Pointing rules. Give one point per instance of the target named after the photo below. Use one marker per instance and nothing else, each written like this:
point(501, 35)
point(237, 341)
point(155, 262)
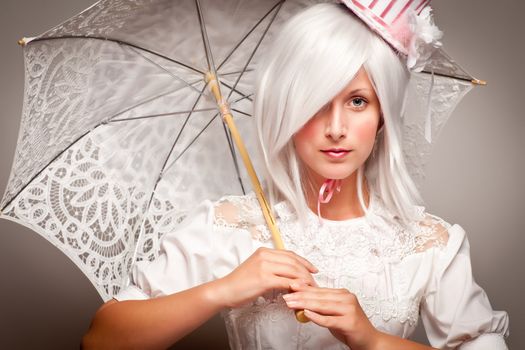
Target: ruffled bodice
point(398, 272)
point(368, 255)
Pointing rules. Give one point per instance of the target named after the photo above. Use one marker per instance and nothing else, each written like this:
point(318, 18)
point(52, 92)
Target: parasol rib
point(211, 67)
point(205, 39)
point(44, 168)
point(236, 72)
point(195, 139)
point(214, 84)
point(248, 34)
point(121, 42)
point(234, 155)
point(241, 112)
point(254, 50)
point(470, 80)
point(162, 170)
point(163, 115)
point(207, 49)
point(164, 69)
point(144, 102)
point(106, 121)
point(245, 96)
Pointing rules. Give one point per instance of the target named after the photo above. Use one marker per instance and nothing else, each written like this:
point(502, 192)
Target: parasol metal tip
point(24, 41)
point(479, 82)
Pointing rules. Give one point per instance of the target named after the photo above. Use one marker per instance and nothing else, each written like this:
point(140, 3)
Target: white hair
point(316, 54)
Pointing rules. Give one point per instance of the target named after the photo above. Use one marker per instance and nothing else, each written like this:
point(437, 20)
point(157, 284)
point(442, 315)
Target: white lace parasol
point(119, 136)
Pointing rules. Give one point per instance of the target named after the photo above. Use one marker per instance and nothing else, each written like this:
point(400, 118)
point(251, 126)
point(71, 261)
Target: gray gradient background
point(46, 302)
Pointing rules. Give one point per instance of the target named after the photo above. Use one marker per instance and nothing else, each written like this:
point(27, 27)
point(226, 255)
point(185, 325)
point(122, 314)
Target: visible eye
point(358, 103)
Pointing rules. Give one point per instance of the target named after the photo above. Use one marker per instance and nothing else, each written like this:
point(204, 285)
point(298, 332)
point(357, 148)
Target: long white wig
point(316, 54)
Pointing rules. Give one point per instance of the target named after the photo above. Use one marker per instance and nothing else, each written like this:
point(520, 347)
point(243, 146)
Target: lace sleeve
point(241, 213)
point(208, 244)
point(432, 232)
point(237, 224)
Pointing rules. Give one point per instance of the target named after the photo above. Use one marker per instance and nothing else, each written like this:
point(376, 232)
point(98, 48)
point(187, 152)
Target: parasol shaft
point(268, 216)
point(270, 220)
point(228, 119)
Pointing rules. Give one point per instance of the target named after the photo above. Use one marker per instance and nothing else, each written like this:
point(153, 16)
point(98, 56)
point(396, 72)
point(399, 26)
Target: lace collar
point(284, 211)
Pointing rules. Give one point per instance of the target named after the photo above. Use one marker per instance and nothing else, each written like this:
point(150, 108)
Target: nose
point(335, 124)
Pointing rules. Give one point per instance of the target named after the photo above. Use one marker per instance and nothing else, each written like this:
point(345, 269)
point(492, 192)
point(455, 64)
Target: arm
point(339, 311)
point(160, 322)
point(153, 323)
point(391, 342)
point(455, 310)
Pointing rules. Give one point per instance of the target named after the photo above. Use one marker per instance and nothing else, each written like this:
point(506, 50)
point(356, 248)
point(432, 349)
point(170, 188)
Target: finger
point(303, 274)
point(304, 287)
point(292, 272)
point(281, 257)
point(285, 282)
point(321, 320)
point(311, 267)
point(309, 291)
point(315, 288)
point(323, 307)
point(319, 294)
point(300, 259)
point(300, 284)
point(308, 297)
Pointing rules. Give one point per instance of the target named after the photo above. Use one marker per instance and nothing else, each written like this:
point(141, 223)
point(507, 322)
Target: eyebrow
point(355, 91)
point(358, 90)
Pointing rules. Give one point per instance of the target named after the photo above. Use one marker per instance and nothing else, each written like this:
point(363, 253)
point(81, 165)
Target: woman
point(364, 259)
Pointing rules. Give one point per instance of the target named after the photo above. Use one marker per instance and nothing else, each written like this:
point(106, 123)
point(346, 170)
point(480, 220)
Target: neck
point(345, 204)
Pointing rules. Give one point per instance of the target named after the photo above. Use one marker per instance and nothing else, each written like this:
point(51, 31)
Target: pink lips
point(336, 152)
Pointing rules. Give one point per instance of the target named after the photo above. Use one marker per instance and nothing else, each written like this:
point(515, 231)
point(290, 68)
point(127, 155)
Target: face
point(339, 138)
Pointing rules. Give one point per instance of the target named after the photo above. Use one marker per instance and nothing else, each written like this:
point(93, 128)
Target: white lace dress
point(398, 274)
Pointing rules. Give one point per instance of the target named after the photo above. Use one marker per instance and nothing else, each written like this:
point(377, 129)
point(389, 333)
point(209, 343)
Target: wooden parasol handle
point(268, 216)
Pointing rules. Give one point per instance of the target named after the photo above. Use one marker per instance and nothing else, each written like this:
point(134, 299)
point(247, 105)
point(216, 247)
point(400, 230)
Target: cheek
point(308, 131)
point(365, 132)
point(304, 137)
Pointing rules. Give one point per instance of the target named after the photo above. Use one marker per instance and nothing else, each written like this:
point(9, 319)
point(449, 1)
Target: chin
point(339, 174)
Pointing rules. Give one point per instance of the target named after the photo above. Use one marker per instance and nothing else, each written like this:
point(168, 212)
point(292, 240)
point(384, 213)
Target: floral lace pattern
point(363, 255)
point(445, 94)
point(88, 173)
point(270, 310)
point(101, 19)
point(79, 208)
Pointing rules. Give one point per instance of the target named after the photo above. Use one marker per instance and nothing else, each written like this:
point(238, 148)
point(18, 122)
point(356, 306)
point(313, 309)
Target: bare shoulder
point(108, 303)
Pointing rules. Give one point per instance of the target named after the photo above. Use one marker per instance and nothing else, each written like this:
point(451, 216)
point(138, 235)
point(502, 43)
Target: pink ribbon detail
point(328, 187)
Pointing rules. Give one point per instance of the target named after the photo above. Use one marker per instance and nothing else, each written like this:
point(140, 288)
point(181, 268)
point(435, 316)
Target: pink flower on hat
point(407, 25)
point(424, 41)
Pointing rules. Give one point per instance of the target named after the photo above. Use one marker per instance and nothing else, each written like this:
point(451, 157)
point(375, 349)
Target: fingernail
point(290, 296)
point(295, 285)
